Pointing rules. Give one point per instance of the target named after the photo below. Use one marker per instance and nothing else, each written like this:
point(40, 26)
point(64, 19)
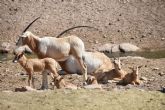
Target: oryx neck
point(33, 43)
point(23, 61)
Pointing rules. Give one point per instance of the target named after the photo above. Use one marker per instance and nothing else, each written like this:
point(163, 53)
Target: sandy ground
point(140, 22)
point(13, 76)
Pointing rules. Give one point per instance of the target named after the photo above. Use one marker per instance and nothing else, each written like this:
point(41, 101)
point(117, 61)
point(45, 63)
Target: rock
point(115, 48)
point(163, 39)
point(155, 68)
point(127, 47)
point(161, 73)
point(96, 42)
point(104, 36)
point(93, 86)
point(6, 47)
point(143, 78)
point(105, 48)
point(90, 41)
point(24, 89)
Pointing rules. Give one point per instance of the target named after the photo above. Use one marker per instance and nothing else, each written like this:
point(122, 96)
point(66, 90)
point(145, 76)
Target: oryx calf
point(57, 48)
point(117, 73)
point(132, 78)
point(35, 65)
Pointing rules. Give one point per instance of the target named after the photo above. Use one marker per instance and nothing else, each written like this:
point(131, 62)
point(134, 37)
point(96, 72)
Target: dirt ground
point(13, 76)
point(140, 22)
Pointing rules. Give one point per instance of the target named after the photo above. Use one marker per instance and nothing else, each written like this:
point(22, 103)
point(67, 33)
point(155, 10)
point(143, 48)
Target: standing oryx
point(57, 48)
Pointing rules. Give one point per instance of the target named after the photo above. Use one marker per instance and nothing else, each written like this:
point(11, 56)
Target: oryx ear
point(119, 60)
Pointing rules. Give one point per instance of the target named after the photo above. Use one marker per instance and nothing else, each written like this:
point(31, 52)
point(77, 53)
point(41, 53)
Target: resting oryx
point(132, 78)
point(57, 48)
point(97, 63)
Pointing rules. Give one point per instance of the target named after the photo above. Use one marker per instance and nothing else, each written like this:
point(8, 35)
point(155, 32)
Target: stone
point(6, 47)
point(143, 78)
point(96, 42)
point(115, 48)
point(127, 47)
point(163, 39)
point(24, 89)
point(105, 48)
point(93, 86)
point(161, 73)
point(155, 68)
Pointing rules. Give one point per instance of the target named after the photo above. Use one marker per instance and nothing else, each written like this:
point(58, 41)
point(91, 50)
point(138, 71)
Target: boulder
point(115, 48)
point(105, 48)
point(127, 47)
point(6, 47)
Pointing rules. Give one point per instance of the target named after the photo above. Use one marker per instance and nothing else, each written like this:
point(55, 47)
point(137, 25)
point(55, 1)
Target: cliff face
point(141, 22)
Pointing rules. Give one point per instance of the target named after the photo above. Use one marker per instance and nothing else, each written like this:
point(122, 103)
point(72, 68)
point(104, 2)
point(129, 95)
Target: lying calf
point(36, 65)
point(117, 73)
point(61, 83)
point(132, 78)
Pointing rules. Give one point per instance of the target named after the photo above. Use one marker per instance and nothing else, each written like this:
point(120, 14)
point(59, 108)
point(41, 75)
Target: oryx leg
point(78, 54)
point(30, 79)
point(33, 86)
point(44, 80)
point(84, 69)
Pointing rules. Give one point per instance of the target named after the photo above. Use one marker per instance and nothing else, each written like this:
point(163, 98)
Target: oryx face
point(117, 64)
point(22, 38)
point(17, 57)
point(19, 42)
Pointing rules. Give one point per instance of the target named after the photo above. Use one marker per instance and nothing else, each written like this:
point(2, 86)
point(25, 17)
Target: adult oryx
point(57, 48)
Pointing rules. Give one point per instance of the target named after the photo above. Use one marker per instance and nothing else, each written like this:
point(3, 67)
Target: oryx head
point(135, 70)
point(24, 34)
point(117, 63)
point(18, 52)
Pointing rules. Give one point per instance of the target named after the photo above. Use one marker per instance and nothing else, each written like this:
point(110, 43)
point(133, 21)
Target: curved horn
point(77, 27)
point(30, 24)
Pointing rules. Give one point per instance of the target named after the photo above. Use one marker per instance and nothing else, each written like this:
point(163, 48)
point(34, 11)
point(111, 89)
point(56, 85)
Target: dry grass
point(83, 99)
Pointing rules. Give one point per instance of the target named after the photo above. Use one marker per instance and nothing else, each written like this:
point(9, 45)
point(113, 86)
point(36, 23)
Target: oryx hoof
point(43, 88)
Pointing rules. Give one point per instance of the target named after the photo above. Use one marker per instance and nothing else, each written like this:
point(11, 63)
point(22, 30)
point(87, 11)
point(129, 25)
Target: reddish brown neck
point(22, 60)
point(33, 42)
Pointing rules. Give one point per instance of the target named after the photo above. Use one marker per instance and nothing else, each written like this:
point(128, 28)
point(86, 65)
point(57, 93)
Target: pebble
point(93, 86)
point(104, 36)
point(156, 68)
point(143, 78)
point(96, 42)
point(163, 39)
point(161, 73)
